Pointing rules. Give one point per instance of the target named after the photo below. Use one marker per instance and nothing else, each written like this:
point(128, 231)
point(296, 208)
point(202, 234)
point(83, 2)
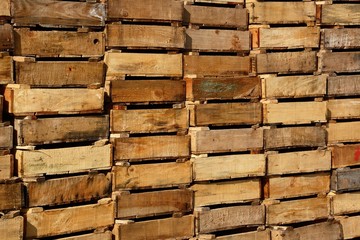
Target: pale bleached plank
point(6, 166)
point(6, 68)
point(6, 137)
point(343, 132)
point(345, 155)
point(341, 38)
point(346, 203)
point(340, 14)
point(344, 85)
point(12, 228)
point(107, 235)
point(350, 226)
point(344, 108)
point(5, 9)
point(258, 235)
point(339, 62)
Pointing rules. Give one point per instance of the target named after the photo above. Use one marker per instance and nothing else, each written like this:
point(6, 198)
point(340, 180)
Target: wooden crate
point(154, 91)
point(297, 186)
point(23, 101)
point(341, 38)
point(61, 129)
point(12, 228)
point(63, 160)
point(6, 68)
point(151, 147)
point(232, 2)
point(6, 37)
point(149, 120)
point(259, 234)
point(345, 179)
point(144, 36)
point(138, 205)
point(1, 107)
point(228, 167)
point(71, 219)
point(59, 73)
point(286, 62)
point(350, 226)
point(345, 203)
point(58, 43)
point(151, 175)
point(206, 194)
point(6, 137)
point(11, 196)
point(57, 13)
point(344, 108)
point(339, 62)
point(5, 7)
point(343, 132)
point(6, 166)
point(204, 140)
point(167, 228)
point(120, 65)
point(343, 85)
point(230, 218)
point(202, 89)
point(147, 10)
point(67, 190)
point(340, 14)
point(107, 235)
point(345, 155)
point(292, 137)
point(298, 162)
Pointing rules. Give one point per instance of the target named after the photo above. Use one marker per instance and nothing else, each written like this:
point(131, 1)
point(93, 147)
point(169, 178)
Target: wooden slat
point(228, 140)
point(340, 62)
point(6, 166)
point(147, 91)
point(298, 162)
point(58, 43)
point(225, 66)
point(228, 167)
point(6, 37)
point(5, 9)
point(260, 234)
point(11, 196)
point(148, 121)
point(200, 89)
point(343, 132)
point(226, 192)
point(62, 129)
point(6, 137)
point(343, 85)
point(294, 112)
point(298, 211)
point(1, 107)
point(168, 228)
point(144, 36)
point(341, 38)
point(345, 155)
point(24, 102)
point(345, 179)
point(53, 13)
point(295, 86)
point(63, 160)
point(230, 218)
point(151, 147)
point(344, 108)
point(286, 62)
point(224, 17)
point(155, 203)
point(6, 68)
point(68, 189)
point(12, 228)
point(291, 137)
point(59, 73)
point(151, 175)
point(240, 2)
point(350, 226)
point(142, 64)
point(153, 10)
point(41, 223)
point(289, 37)
point(299, 185)
point(346, 203)
point(107, 235)
point(340, 14)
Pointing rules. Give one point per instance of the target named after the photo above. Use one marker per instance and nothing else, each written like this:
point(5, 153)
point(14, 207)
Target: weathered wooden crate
point(344, 85)
point(345, 203)
point(6, 137)
point(202, 89)
point(346, 38)
point(151, 175)
point(6, 37)
point(344, 108)
point(204, 140)
point(350, 226)
point(259, 234)
point(12, 227)
point(167, 228)
point(6, 166)
point(343, 132)
point(6, 68)
point(345, 155)
point(58, 43)
point(61, 129)
point(207, 221)
point(345, 179)
point(70, 220)
point(1, 107)
point(5, 12)
point(340, 14)
point(339, 62)
point(232, 2)
point(11, 195)
point(58, 13)
point(97, 235)
point(138, 205)
point(151, 147)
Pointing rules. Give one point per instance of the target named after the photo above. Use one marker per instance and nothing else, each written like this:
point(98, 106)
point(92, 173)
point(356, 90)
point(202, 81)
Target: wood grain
point(343, 85)
point(350, 226)
point(6, 166)
point(260, 234)
point(340, 14)
point(346, 203)
point(11, 196)
point(345, 155)
point(345, 179)
point(6, 36)
point(5, 9)
point(1, 107)
point(343, 132)
point(341, 38)
point(6, 137)
point(339, 62)
point(6, 69)
point(107, 235)
point(344, 108)
point(12, 228)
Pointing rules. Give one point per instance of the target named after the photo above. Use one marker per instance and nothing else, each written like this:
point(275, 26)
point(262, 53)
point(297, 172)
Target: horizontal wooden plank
point(298, 162)
point(150, 91)
point(6, 166)
point(155, 203)
point(343, 132)
point(287, 62)
point(62, 129)
point(24, 102)
point(151, 147)
point(6, 69)
point(343, 85)
point(230, 218)
point(68, 190)
point(107, 235)
point(63, 160)
point(59, 73)
point(341, 38)
point(153, 10)
point(295, 211)
point(6, 37)
point(344, 108)
point(345, 179)
point(11, 196)
point(228, 167)
point(12, 228)
point(260, 234)
point(226, 114)
point(289, 37)
point(1, 107)
point(294, 86)
point(151, 175)
point(149, 120)
point(142, 64)
point(5, 9)
point(70, 220)
point(167, 228)
point(345, 155)
point(350, 226)
point(6, 137)
point(225, 66)
point(201, 89)
point(239, 2)
point(57, 13)
point(226, 192)
point(58, 43)
point(346, 203)
point(340, 14)
point(227, 140)
point(340, 62)
point(294, 112)
point(290, 137)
